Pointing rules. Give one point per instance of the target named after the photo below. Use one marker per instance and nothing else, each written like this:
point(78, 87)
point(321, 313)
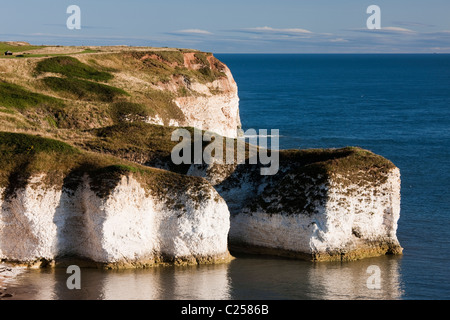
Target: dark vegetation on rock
point(23, 156)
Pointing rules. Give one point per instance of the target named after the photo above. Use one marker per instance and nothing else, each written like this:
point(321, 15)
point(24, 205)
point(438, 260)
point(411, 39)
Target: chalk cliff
point(214, 106)
point(339, 204)
point(54, 208)
point(103, 86)
point(91, 176)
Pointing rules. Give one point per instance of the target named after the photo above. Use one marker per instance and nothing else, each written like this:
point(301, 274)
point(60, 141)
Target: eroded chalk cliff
point(103, 86)
point(339, 204)
point(102, 188)
point(57, 204)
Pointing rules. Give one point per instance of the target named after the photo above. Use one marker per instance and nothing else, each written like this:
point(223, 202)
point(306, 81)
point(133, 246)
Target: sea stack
point(327, 204)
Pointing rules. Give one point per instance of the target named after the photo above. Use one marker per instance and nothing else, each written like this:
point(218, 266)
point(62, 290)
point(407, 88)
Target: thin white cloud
point(397, 29)
point(385, 30)
point(277, 30)
point(195, 31)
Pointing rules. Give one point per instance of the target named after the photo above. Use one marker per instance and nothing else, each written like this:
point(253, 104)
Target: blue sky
point(247, 26)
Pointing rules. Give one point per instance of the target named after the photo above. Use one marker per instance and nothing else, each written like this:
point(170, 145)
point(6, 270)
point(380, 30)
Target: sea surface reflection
point(246, 277)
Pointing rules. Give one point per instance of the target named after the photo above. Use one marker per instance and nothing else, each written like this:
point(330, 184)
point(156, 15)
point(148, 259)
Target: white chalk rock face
point(211, 106)
point(27, 226)
point(324, 204)
point(352, 222)
point(129, 227)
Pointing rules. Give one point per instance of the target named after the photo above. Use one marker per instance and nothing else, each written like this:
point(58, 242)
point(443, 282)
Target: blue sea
point(397, 106)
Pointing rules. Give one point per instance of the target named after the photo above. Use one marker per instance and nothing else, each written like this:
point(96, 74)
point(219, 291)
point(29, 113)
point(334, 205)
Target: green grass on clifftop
point(4, 46)
point(14, 96)
point(138, 142)
point(71, 67)
point(18, 143)
point(83, 89)
point(170, 56)
point(349, 164)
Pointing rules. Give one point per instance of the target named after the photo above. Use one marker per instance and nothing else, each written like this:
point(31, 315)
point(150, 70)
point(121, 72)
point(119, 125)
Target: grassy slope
point(71, 67)
point(95, 116)
point(23, 156)
point(14, 48)
point(13, 96)
point(84, 90)
point(71, 91)
point(24, 50)
point(146, 143)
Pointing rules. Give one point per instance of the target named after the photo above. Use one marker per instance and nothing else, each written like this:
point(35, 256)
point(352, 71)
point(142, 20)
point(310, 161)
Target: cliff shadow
point(79, 234)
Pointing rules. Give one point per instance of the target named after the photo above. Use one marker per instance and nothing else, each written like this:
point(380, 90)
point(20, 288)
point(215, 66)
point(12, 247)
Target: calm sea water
point(395, 105)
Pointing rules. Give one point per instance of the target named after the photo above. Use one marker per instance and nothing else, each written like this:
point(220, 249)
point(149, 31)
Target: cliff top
point(47, 88)
point(24, 156)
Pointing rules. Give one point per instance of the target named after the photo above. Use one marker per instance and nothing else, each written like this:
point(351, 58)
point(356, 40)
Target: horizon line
point(387, 53)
